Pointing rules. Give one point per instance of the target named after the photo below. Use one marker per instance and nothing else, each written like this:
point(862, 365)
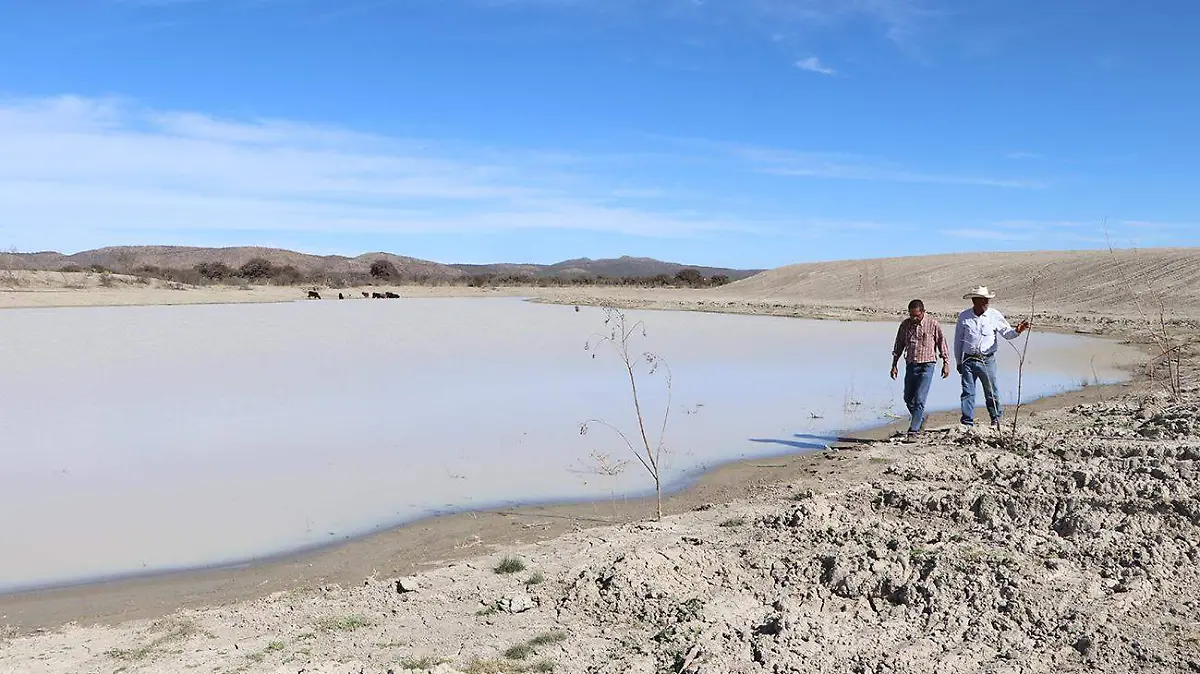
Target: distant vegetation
point(262, 271)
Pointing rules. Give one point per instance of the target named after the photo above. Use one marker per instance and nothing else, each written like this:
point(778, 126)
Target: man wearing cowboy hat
point(975, 343)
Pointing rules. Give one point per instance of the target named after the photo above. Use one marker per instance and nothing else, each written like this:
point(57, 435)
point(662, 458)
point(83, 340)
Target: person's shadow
point(808, 441)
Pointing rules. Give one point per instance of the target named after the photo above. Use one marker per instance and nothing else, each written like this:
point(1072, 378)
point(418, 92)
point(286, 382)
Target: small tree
point(1023, 350)
point(384, 270)
point(718, 280)
point(620, 335)
point(690, 277)
point(257, 269)
point(214, 271)
point(287, 275)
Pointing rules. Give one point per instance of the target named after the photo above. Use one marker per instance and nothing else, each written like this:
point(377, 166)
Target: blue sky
point(748, 133)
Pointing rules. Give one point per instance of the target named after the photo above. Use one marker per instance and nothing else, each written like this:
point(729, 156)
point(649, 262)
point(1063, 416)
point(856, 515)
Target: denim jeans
point(917, 378)
point(983, 371)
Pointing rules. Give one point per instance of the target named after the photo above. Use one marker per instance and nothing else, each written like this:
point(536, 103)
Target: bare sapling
point(620, 337)
point(1023, 350)
point(1169, 350)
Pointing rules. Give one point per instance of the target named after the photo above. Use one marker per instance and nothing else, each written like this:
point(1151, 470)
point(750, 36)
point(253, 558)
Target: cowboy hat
point(981, 291)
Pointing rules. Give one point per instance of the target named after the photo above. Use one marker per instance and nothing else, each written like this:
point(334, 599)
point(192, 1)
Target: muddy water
point(140, 439)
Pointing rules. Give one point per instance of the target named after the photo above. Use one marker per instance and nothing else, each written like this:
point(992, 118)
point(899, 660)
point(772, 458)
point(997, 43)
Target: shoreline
point(441, 540)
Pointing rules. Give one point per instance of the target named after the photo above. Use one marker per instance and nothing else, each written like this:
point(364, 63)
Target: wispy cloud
point(987, 234)
point(1057, 233)
point(71, 162)
point(813, 65)
point(843, 166)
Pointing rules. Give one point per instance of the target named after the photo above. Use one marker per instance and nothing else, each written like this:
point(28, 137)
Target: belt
point(976, 356)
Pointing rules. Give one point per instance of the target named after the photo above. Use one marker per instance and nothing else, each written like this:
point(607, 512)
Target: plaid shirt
point(923, 341)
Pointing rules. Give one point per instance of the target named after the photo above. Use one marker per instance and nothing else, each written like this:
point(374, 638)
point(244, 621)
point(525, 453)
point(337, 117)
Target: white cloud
point(71, 163)
point(986, 234)
point(841, 166)
point(813, 65)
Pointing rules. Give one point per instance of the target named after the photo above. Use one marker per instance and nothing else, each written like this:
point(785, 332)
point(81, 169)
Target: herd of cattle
point(314, 295)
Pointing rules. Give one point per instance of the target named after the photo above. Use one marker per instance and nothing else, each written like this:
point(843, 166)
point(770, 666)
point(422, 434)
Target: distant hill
point(622, 267)
point(1071, 281)
point(130, 258)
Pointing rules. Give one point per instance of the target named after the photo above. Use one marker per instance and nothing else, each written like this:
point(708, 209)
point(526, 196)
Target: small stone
point(517, 603)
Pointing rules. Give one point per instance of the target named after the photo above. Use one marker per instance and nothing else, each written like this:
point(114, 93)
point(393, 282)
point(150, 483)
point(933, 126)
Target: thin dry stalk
point(1022, 352)
point(1169, 351)
point(620, 336)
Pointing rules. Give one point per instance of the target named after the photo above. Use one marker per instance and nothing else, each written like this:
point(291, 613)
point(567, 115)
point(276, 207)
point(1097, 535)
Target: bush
point(287, 275)
point(70, 268)
point(257, 269)
point(690, 277)
point(214, 271)
point(384, 269)
point(718, 280)
point(510, 565)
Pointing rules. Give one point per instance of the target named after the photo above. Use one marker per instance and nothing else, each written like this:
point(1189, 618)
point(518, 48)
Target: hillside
point(622, 267)
point(1071, 281)
point(130, 258)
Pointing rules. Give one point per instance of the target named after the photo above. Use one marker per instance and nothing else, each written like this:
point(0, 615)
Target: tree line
point(263, 271)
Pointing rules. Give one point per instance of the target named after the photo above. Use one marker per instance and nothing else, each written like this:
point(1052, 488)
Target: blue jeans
point(983, 371)
point(917, 378)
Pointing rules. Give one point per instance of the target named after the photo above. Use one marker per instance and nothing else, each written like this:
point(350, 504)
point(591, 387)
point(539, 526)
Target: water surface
point(152, 438)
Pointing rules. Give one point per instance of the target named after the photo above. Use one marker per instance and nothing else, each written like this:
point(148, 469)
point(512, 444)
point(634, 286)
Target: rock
point(517, 603)
point(406, 585)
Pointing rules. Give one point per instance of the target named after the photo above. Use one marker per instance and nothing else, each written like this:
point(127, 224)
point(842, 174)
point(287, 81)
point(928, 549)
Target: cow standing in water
point(314, 295)
point(340, 297)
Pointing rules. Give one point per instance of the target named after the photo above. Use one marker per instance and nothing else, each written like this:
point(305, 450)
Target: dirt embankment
point(1072, 546)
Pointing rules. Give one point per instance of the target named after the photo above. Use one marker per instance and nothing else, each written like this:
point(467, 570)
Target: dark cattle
point(392, 296)
point(577, 309)
point(366, 294)
point(314, 295)
point(377, 296)
point(340, 296)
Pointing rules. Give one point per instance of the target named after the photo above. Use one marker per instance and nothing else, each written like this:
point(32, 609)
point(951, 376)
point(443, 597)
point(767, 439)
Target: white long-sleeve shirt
point(977, 334)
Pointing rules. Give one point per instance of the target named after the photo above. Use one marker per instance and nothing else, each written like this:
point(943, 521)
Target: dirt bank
point(1072, 546)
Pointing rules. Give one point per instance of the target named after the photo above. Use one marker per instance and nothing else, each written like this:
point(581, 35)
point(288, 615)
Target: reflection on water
point(148, 438)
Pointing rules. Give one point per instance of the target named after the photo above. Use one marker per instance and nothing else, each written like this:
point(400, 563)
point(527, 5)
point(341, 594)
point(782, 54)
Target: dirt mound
point(1073, 545)
point(1073, 281)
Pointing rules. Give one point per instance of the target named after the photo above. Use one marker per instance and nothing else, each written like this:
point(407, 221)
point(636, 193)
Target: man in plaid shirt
point(921, 338)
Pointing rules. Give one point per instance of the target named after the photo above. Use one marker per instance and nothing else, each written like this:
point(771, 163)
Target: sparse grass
point(256, 657)
point(347, 623)
point(488, 610)
point(423, 662)
point(543, 666)
point(734, 522)
point(536, 579)
point(518, 652)
point(510, 565)
point(802, 495)
point(493, 667)
point(880, 459)
point(555, 637)
point(275, 646)
point(176, 631)
point(306, 636)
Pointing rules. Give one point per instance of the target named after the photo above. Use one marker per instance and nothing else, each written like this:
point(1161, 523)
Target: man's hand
point(1024, 325)
point(945, 369)
point(959, 368)
point(895, 372)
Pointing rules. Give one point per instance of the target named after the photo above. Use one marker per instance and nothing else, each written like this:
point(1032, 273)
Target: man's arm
point(898, 349)
point(1003, 328)
point(960, 337)
point(939, 342)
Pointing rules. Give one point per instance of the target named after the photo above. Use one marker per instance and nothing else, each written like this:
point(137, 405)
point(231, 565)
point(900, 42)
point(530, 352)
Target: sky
point(740, 133)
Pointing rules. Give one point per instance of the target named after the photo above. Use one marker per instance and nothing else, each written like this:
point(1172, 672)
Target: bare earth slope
point(1072, 281)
